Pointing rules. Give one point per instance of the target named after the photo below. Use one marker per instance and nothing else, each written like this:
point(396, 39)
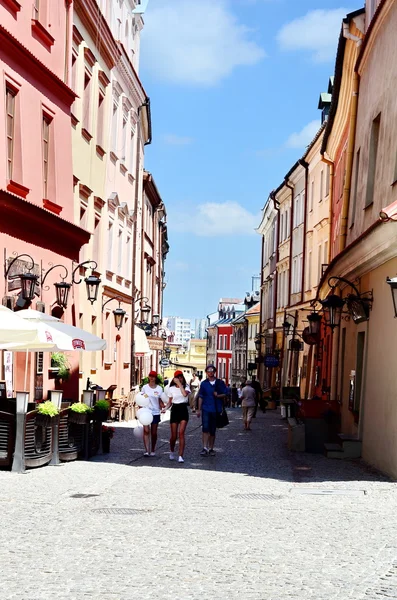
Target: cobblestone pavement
point(253, 522)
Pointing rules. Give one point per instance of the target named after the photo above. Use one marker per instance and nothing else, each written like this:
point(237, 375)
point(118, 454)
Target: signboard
point(147, 327)
point(7, 360)
point(271, 361)
point(164, 362)
point(295, 345)
point(155, 343)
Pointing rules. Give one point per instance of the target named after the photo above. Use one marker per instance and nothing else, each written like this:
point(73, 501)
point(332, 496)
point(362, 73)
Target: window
point(327, 177)
point(325, 261)
point(373, 154)
point(309, 271)
point(46, 152)
point(110, 246)
point(355, 188)
point(97, 239)
point(100, 118)
point(124, 137)
point(312, 196)
point(321, 185)
point(10, 108)
point(319, 262)
point(129, 257)
point(131, 161)
point(87, 101)
point(114, 126)
point(120, 252)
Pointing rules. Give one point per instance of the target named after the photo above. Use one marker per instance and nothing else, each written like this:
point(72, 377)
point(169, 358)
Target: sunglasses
point(210, 371)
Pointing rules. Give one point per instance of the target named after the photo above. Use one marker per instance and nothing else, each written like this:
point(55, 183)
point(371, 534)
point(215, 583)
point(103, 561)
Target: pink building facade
point(36, 176)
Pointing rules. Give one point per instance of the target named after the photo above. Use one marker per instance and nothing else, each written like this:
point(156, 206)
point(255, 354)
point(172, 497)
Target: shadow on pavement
point(261, 452)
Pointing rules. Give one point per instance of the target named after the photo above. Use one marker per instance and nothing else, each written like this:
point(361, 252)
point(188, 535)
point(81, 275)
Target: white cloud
point(316, 32)
point(179, 266)
point(218, 219)
point(177, 140)
point(302, 138)
point(197, 42)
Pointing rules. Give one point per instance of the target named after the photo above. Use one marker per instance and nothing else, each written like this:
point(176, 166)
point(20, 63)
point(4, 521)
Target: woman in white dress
point(153, 390)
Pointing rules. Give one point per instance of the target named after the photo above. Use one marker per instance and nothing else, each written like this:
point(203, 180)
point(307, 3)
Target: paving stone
point(242, 524)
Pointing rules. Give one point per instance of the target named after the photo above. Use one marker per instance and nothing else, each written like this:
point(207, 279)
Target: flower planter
point(45, 420)
point(106, 444)
point(101, 415)
point(79, 418)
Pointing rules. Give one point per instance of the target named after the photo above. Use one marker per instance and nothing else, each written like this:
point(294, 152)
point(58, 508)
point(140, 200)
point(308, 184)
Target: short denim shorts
point(208, 421)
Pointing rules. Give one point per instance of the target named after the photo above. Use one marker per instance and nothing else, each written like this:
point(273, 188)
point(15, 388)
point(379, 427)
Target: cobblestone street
point(253, 522)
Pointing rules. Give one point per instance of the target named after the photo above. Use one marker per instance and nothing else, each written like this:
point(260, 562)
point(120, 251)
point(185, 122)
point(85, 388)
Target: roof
point(239, 320)
point(254, 310)
point(337, 79)
point(325, 98)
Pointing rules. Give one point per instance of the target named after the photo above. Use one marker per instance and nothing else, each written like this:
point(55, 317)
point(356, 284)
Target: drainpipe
point(68, 44)
point(291, 187)
point(305, 165)
point(275, 291)
point(350, 144)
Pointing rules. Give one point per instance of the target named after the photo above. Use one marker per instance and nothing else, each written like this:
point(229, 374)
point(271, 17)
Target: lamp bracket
point(51, 269)
point(86, 262)
point(7, 270)
point(110, 300)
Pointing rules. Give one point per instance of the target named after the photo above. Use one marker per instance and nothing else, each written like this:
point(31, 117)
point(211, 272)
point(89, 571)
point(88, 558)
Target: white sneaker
point(172, 456)
point(146, 454)
point(152, 454)
point(180, 459)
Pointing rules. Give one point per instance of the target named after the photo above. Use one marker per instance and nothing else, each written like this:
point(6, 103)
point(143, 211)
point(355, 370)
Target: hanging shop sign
point(271, 361)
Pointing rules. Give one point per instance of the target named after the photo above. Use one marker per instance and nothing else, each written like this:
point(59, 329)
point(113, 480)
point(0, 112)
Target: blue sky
point(234, 87)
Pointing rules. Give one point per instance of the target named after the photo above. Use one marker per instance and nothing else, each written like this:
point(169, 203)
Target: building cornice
point(10, 45)
point(378, 19)
point(96, 25)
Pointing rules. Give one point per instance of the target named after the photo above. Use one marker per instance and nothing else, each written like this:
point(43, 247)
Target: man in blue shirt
point(211, 397)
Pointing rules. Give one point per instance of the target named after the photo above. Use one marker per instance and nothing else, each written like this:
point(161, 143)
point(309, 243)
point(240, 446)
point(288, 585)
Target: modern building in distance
point(180, 328)
point(200, 329)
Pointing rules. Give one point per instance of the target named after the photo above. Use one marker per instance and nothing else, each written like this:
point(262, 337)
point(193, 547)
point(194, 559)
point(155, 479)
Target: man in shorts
point(211, 397)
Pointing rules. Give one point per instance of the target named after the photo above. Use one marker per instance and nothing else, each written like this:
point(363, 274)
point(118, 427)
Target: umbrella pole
point(26, 371)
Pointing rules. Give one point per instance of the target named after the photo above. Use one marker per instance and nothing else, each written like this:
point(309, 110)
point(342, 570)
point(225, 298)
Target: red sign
point(78, 344)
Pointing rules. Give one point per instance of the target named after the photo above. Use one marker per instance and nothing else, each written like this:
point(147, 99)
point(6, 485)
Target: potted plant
point(159, 381)
point(101, 410)
point(60, 366)
point(107, 434)
point(47, 413)
point(79, 413)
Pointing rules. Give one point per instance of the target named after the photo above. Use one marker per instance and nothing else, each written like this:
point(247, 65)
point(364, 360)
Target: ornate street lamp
point(314, 323)
point(118, 313)
point(156, 320)
point(145, 311)
point(92, 282)
point(29, 281)
point(286, 327)
point(393, 289)
point(333, 306)
point(167, 352)
point(358, 304)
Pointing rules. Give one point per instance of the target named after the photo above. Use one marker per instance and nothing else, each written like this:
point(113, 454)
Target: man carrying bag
point(211, 397)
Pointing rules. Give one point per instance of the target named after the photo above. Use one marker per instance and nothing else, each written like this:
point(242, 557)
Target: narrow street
point(255, 521)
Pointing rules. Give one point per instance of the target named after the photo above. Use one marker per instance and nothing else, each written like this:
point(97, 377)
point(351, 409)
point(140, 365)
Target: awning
point(141, 343)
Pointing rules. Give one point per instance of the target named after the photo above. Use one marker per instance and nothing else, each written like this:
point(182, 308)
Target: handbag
point(222, 420)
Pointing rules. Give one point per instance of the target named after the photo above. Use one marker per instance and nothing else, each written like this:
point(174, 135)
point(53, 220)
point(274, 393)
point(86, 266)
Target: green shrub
point(159, 381)
point(79, 407)
point(102, 405)
point(60, 361)
point(47, 408)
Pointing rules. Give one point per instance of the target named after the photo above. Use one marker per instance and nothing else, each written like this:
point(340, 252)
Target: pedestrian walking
point(248, 398)
point(178, 397)
point(258, 394)
point(211, 397)
point(234, 396)
point(153, 391)
point(194, 388)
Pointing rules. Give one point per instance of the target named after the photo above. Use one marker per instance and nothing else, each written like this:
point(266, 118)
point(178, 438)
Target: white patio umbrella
point(54, 335)
point(15, 330)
